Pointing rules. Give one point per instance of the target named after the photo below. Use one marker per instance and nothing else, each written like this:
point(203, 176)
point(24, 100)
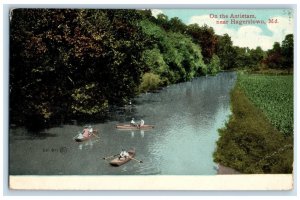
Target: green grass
point(273, 95)
point(250, 143)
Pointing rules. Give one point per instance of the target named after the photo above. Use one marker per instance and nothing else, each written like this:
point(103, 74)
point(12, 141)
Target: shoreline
point(222, 170)
point(249, 142)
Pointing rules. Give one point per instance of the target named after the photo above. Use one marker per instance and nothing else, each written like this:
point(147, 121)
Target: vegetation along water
point(259, 135)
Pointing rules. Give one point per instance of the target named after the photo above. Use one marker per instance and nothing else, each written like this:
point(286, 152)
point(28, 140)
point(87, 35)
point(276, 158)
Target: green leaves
point(249, 143)
point(206, 38)
point(173, 56)
point(288, 50)
point(85, 101)
point(214, 65)
point(66, 62)
point(225, 52)
point(281, 56)
point(274, 95)
point(149, 82)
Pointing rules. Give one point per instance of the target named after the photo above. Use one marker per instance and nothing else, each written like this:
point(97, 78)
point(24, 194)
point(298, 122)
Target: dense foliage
point(281, 56)
point(172, 56)
point(249, 143)
point(274, 96)
point(214, 65)
point(150, 82)
point(73, 62)
point(77, 62)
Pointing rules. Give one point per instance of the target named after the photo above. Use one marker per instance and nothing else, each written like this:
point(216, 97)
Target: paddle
point(136, 160)
point(96, 135)
point(76, 135)
point(109, 156)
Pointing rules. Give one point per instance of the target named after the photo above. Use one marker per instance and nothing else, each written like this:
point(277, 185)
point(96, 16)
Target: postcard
point(151, 99)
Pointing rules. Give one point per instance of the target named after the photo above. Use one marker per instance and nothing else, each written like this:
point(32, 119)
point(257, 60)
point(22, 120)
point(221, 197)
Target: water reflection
point(142, 133)
point(87, 144)
point(135, 133)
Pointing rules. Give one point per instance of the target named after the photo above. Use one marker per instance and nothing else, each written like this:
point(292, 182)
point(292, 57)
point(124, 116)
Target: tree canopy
point(79, 62)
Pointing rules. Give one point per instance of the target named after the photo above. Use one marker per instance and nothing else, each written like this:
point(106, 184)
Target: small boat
point(130, 127)
point(117, 161)
point(86, 138)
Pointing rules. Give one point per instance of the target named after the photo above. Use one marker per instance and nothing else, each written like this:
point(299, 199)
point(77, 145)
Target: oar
point(136, 160)
point(96, 135)
point(109, 156)
point(76, 135)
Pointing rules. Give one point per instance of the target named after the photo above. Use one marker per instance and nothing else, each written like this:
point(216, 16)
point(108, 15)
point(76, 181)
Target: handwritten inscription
point(55, 150)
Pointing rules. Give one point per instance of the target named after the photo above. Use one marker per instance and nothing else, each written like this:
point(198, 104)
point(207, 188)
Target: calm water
point(186, 118)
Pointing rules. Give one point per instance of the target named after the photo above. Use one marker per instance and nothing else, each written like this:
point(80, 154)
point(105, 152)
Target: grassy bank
point(269, 71)
point(250, 143)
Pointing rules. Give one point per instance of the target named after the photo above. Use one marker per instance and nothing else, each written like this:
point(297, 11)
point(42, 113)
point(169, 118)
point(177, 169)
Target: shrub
point(149, 82)
point(214, 65)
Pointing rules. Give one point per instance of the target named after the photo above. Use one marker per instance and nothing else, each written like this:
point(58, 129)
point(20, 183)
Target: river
point(186, 116)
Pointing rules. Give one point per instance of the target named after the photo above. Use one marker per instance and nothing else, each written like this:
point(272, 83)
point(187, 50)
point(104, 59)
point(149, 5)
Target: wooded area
point(72, 63)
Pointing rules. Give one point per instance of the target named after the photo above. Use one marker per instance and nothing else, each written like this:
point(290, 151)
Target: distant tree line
point(232, 57)
point(78, 62)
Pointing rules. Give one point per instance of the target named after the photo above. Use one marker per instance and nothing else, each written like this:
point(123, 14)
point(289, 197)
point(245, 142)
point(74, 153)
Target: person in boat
point(123, 155)
point(132, 123)
point(142, 122)
point(86, 132)
point(90, 129)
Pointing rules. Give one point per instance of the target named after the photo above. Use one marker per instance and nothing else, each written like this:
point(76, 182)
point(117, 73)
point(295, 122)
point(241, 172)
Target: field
point(274, 96)
point(258, 137)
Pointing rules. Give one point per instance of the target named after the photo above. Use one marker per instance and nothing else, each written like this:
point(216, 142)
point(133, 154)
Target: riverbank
point(222, 170)
point(250, 143)
point(274, 71)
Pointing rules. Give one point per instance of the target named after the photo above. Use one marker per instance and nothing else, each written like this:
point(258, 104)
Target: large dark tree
point(288, 50)
point(225, 52)
point(274, 59)
point(256, 57)
point(177, 25)
point(206, 38)
point(68, 62)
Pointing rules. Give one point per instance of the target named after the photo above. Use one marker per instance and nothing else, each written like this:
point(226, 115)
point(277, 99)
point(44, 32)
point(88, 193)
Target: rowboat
point(120, 161)
point(130, 127)
point(77, 139)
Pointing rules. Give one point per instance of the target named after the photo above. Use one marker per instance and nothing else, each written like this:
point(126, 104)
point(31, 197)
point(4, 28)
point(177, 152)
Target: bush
point(149, 82)
point(214, 65)
point(173, 56)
